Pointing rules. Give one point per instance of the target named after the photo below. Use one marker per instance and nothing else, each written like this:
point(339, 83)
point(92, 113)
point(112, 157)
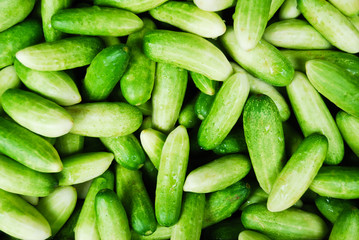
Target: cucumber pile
point(181, 120)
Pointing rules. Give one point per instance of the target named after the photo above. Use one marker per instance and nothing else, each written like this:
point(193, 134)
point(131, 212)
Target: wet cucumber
point(331, 208)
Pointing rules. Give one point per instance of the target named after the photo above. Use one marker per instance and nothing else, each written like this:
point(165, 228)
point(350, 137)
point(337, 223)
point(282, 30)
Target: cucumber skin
point(234, 143)
point(346, 226)
point(349, 128)
point(136, 6)
point(203, 105)
point(331, 208)
point(204, 84)
point(11, 13)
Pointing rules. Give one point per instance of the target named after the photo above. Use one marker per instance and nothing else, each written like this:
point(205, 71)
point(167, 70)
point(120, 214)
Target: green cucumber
point(67, 231)
point(348, 7)
point(225, 230)
point(96, 21)
point(69, 144)
point(127, 149)
point(304, 164)
point(63, 54)
point(138, 80)
point(17, 37)
point(218, 174)
point(275, 5)
point(21, 220)
point(14, 11)
point(204, 84)
point(146, 108)
point(105, 119)
point(331, 208)
point(110, 41)
point(292, 138)
point(36, 113)
point(335, 84)
point(186, 50)
point(337, 182)
point(161, 233)
point(83, 167)
point(262, 125)
point(314, 117)
point(250, 20)
point(136, 6)
point(8, 80)
point(188, 117)
point(57, 86)
point(233, 143)
point(82, 189)
point(346, 226)
point(214, 5)
point(252, 235)
point(203, 105)
point(289, 224)
point(31, 199)
point(168, 95)
point(331, 23)
point(28, 148)
point(349, 128)
point(171, 176)
point(189, 18)
point(134, 197)
point(289, 10)
point(58, 207)
point(225, 111)
point(264, 61)
point(111, 219)
point(17, 178)
point(189, 225)
point(152, 142)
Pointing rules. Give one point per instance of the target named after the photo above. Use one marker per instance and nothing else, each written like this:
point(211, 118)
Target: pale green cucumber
point(168, 95)
point(31, 199)
point(217, 175)
point(224, 112)
point(347, 225)
point(83, 167)
point(189, 225)
point(331, 23)
point(69, 144)
point(189, 18)
point(331, 208)
point(152, 142)
point(63, 54)
point(252, 235)
point(136, 6)
point(314, 117)
point(8, 79)
point(304, 164)
point(262, 125)
point(289, 10)
point(36, 113)
point(14, 11)
point(234, 143)
point(21, 220)
point(264, 61)
point(227, 229)
point(348, 7)
point(250, 20)
point(171, 176)
point(349, 128)
point(275, 5)
point(188, 117)
point(335, 84)
point(57, 86)
point(214, 5)
point(203, 105)
point(105, 119)
point(187, 51)
point(58, 207)
point(28, 148)
point(204, 84)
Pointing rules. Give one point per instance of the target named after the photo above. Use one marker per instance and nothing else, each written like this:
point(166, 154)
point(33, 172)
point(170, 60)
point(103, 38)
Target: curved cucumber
point(204, 84)
point(136, 6)
point(152, 142)
point(186, 50)
point(349, 7)
point(214, 5)
point(346, 226)
point(203, 105)
point(8, 79)
point(14, 11)
point(69, 144)
point(289, 10)
point(331, 208)
point(349, 128)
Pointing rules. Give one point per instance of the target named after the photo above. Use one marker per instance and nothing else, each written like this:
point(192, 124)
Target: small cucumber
point(188, 117)
point(152, 142)
point(275, 5)
point(67, 231)
point(331, 208)
point(289, 10)
point(161, 233)
point(8, 80)
point(147, 123)
point(233, 143)
point(348, 7)
point(251, 235)
point(214, 5)
point(225, 230)
point(204, 84)
point(292, 138)
point(349, 128)
point(186, 50)
point(69, 144)
point(14, 11)
point(110, 41)
point(146, 108)
point(346, 226)
point(136, 6)
point(203, 105)
point(31, 199)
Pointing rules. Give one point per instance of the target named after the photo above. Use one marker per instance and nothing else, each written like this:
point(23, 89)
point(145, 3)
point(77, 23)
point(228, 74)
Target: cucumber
point(203, 105)
point(127, 150)
point(17, 178)
point(264, 61)
point(275, 5)
point(168, 94)
point(58, 207)
point(14, 11)
point(335, 84)
point(96, 21)
point(295, 34)
point(250, 20)
point(214, 5)
point(225, 230)
point(337, 182)
point(152, 142)
point(138, 80)
point(204, 84)
point(56, 86)
point(8, 80)
point(28, 148)
point(17, 37)
point(82, 189)
point(21, 220)
point(161, 233)
point(292, 139)
point(289, 224)
point(36, 113)
point(147, 123)
point(146, 108)
point(105, 119)
point(349, 7)
point(136, 6)
point(110, 41)
point(304, 165)
point(63, 54)
point(251, 235)
point(189, 225)
point(314, 117)
point(111, 216)
point(67, 231)
point(331, 208)
point(134, 197)
point(30, 199)
point(289, 10)
point(225, 111)
point(349, 128)
point(189, 18)
point(331, 23)
point(171, 176)
point(262, 125)
point(346, 226)
point(186, 50)
point(233, 143)
point(218, 174)
point(83, 167)
point(188, 117)
point(355, 21)
point(69, 144)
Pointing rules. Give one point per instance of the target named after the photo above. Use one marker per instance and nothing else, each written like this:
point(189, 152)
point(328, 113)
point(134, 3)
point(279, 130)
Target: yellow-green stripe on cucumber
point(252, 235)
point(331, 208)
point(214, 5)
point(28, 148)
point(346, 226)
point(314, 117)
point(289, 10)
point(187, 51)
point(8, 79)
point(152, 142)
point(171, 176)
point(262, 125)
point(136, 6)
point(69, 144)
point(349, 128)
point(264, 61)
point(225, 111)
point(188, 17)
point(14, 11)
point(204, 84)
point(304, 165)
point(348, 7)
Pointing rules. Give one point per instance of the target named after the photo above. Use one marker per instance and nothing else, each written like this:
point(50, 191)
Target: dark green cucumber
point(228, 229)
point(346, 226)
point(331, 208)
point(204, 84)
point(188, 116)
point(292, 138)
point(234, 143)
point(14, 11)
point(203, 105)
